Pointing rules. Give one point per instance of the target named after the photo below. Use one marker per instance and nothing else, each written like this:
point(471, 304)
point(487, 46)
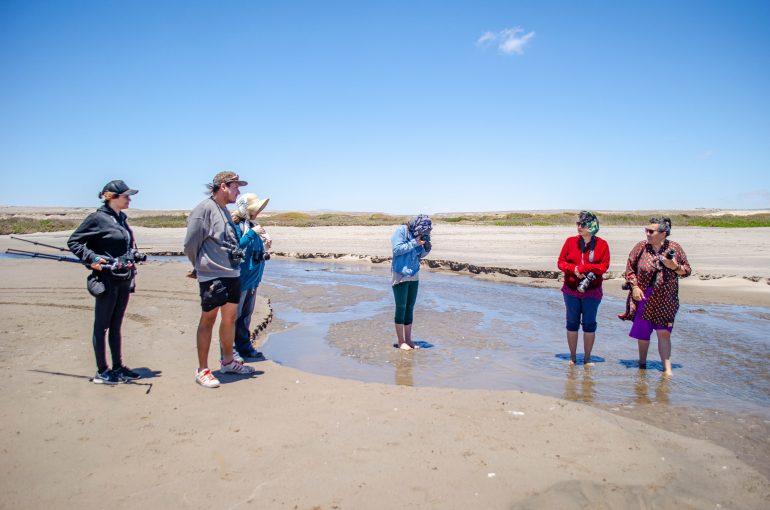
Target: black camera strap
point(583, 247)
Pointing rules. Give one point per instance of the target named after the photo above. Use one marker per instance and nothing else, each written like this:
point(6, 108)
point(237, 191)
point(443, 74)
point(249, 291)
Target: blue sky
point(399, 107)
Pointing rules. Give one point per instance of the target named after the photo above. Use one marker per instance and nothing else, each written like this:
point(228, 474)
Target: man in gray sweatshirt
point(212, 245)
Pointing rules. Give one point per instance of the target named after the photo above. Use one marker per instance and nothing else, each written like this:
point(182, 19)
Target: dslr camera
point(670, 254)
point(138, 256)
point(235, 254)
point(260, 256)
point(585, 282)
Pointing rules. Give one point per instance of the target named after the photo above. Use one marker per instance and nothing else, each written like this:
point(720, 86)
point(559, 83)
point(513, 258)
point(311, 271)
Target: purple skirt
point(642, 329)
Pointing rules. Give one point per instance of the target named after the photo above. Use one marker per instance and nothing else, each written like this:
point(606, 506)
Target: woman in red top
point(652, 272)
point(584, 259)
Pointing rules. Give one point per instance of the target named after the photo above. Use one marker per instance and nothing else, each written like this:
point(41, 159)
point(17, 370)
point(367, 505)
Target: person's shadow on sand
point(147, 373)
point(144, 372)
point(230, 378)
point(651, 365)
point(580, 358)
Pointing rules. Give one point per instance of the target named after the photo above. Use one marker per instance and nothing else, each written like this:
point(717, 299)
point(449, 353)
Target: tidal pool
point(510, 337)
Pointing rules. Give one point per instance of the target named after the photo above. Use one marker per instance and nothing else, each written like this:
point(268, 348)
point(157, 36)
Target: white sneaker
point(206, 379)
point(236, 356)
point(235, 367)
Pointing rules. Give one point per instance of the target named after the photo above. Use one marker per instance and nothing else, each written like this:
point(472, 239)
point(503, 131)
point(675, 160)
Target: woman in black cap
point(105, 243)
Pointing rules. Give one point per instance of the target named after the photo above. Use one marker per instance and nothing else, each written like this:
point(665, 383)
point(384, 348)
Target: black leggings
point(406, 295)
point(108, 315)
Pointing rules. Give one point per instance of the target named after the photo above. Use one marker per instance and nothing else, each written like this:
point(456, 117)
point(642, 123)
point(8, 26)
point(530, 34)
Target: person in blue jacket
point(410, 242)
point(252, 236)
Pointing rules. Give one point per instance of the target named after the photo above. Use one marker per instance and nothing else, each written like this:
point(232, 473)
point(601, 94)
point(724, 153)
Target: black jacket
point(102, 233)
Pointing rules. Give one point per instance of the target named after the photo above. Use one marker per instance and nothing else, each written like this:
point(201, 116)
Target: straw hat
point(249, 203)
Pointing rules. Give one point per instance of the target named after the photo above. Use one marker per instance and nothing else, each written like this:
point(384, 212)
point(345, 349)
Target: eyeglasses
point(580, 224)
point(650, 231)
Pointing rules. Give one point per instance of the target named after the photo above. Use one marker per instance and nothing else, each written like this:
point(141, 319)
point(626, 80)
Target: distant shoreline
point(81, 212)
point(515, 254)
point(27, 220)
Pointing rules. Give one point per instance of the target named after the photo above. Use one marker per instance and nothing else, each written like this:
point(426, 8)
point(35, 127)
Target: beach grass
point(160, 221)
point(23, 225)
point(27, 225)
point(298, 219)
point(608, 219)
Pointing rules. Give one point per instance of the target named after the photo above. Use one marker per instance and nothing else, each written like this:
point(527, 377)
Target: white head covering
point(249, 203)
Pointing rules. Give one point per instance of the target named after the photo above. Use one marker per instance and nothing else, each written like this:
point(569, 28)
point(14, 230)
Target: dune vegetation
point(27, 225)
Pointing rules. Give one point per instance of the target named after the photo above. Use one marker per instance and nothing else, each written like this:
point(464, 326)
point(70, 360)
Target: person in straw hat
point(255, 242)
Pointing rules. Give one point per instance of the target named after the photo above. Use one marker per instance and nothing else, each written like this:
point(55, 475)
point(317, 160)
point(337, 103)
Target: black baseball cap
point(119, 187)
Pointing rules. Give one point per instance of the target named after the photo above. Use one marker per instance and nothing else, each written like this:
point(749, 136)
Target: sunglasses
point(581, 224)
point(650, 231)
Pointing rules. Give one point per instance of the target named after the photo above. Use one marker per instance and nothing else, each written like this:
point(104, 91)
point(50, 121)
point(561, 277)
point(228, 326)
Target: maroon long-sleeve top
point(572, 257)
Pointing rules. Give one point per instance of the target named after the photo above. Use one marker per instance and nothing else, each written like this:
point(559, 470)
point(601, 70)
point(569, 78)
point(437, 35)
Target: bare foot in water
point(589, 363)
point(572, 362)
point(405, 347)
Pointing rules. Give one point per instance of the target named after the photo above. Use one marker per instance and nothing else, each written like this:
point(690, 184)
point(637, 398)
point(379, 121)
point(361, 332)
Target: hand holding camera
point(424, 241)
point(585, 282)
point(667, 259)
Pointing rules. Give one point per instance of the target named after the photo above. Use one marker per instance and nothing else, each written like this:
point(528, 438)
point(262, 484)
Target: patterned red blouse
point(645, 269)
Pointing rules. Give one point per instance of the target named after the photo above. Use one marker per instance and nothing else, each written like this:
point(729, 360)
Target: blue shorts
point(581, 308)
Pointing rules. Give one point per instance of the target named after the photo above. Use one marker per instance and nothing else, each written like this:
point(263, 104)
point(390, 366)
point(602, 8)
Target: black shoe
point(125, 374)
point(106, 377)
point(252, 354)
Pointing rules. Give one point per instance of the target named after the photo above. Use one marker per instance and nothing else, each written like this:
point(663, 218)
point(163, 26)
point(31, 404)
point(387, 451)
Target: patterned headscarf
point(420, 225)
point(589, 221)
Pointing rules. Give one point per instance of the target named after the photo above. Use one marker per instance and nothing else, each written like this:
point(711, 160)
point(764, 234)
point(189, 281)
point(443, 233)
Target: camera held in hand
point(138, 256)
point(670, 254)
point(585, 282)
point(425, 237)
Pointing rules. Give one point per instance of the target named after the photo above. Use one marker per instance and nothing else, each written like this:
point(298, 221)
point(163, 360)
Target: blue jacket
point(252, 266)
point(406, 252)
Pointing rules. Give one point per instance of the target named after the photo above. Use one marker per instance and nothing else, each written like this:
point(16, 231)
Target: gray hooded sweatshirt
point(210, 231)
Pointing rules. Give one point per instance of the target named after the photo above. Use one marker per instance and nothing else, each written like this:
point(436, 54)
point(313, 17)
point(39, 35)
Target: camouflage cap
point(227, 177)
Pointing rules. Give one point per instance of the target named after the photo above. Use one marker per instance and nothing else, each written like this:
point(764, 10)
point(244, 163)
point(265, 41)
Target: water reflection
point(579, 384)
point(404, 366)
point(662, 387)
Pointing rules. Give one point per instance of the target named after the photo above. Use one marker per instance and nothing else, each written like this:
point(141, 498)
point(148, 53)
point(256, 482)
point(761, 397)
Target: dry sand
point(288, 439)
point(731, 266)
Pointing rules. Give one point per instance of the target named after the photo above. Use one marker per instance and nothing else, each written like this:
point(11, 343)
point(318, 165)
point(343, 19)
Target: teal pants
point(406, 295)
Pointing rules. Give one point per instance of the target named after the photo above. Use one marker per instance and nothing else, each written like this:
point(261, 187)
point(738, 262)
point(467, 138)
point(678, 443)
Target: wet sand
point(290, 439)
point(479, 349)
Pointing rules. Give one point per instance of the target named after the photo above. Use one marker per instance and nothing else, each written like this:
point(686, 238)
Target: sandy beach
point(730, 266)
point(289, 439)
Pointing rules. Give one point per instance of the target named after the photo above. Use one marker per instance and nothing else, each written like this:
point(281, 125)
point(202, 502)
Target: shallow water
point(504, 336)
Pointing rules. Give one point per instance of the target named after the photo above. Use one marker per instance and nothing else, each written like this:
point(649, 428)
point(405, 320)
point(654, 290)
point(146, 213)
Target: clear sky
point(398, 107)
